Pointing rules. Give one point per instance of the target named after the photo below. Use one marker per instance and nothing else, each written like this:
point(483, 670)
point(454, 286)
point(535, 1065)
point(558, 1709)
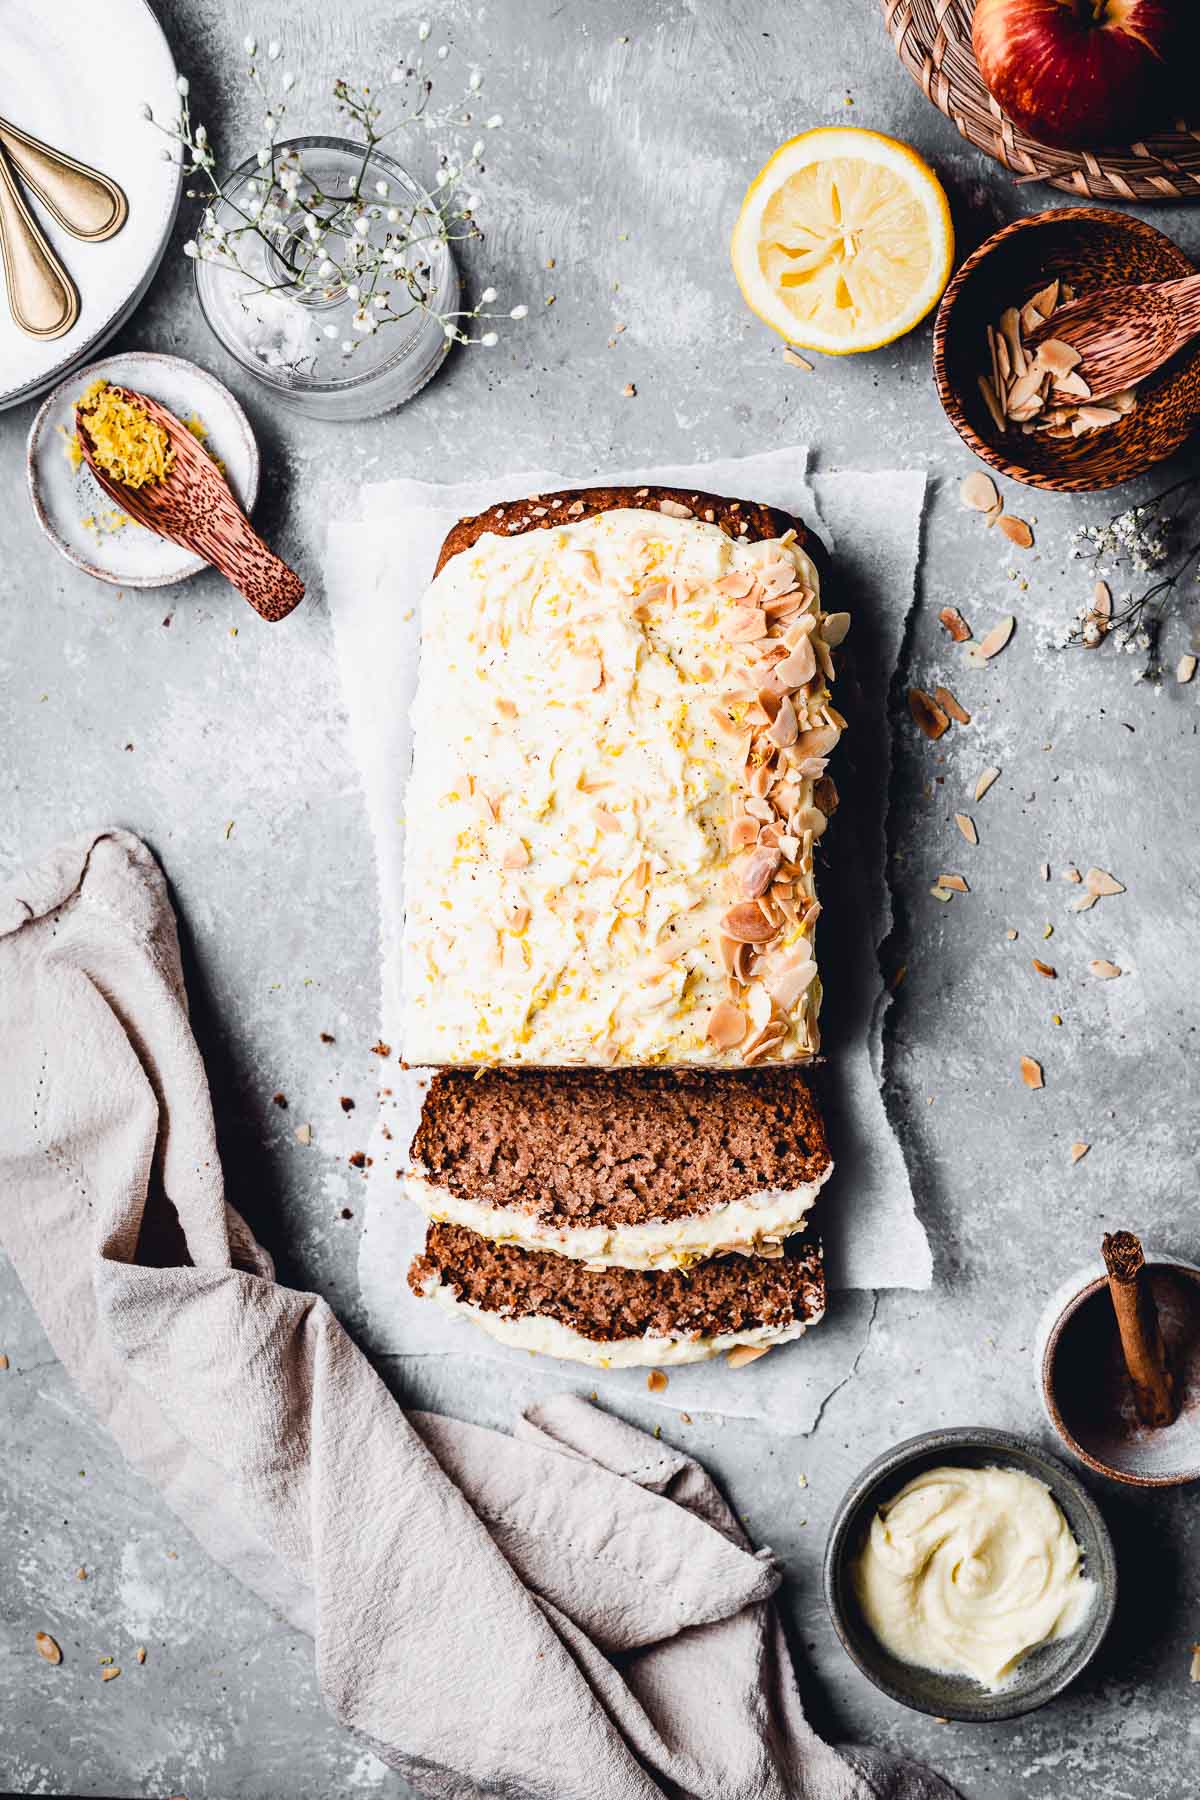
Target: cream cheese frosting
point(619, 729)
point(968, 1570)
point(549, 1337)
point(753, 1225)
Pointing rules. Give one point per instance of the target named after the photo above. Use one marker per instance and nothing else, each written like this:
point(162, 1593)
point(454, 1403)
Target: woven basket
point(933, 41)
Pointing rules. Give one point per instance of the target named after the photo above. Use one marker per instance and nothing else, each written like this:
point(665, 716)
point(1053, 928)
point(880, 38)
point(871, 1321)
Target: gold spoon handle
point(81, 200)
point(41, 295)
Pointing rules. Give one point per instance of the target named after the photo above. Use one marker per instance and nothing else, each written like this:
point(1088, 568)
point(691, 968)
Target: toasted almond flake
point(506, 709)
point(941, 893)
point(797, 361)
point(657, 1380)
point(736, 585)
point(1010, 328)
point(516, 858)
point(1104, 971)
point(927, 713)
point(1024, 391)
point(1016, 531)
point(1011, 935)
point(997, 637)
point(1059, 357)
point(745, 924)
point(985, 781)
point(966, 825)
point(1099, 881)
point(834, 627)
point(675, 509)
point(1084, 902)
point(1102, 600)
point(991, 402)
point(741, 1354)
point(1045, 969)
point(3, 1360)
point(1185, 668)
point(629, 392)
point(1093, 417)
point(109, 1674)
point(1045, 871)
point(1031, 1073)
point(1046, 299)
point(955, 624)
point(1071, 873)
point(1074, 385)
point(1194, 1668)
point(606, 820)
point(140, 1653)
point(1079, 1151)
point(950, 705)
point(303, 1134)
point(742, 833)
point(978, 491)
point(1124, 402)
point(1031, 318)
point(956, 883)
point(47, 1648)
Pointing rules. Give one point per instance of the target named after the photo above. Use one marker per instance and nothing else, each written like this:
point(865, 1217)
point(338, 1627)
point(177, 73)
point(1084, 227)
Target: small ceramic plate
point(75, 513)
point(1046, 1671)
point(77, 75)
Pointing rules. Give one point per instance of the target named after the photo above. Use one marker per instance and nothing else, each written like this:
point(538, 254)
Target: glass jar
point(294, 338)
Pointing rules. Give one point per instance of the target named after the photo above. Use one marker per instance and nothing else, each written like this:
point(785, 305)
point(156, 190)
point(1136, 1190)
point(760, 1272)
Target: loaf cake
point(621, 730)
point(614, 1318)
point(630, 1168)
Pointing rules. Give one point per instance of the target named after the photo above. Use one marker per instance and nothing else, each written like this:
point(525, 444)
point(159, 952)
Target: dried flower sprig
point(290, 240)
point(1147, 539)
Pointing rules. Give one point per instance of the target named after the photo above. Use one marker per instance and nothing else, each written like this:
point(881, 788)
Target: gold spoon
point(83, 201)
point(41, 295)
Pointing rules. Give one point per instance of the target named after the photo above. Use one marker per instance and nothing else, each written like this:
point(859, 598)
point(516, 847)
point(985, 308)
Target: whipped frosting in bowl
point(996, 1581)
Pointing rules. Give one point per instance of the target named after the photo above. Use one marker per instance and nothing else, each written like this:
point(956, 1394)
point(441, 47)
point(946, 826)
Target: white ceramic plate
point(73, 510)
point(76, 73)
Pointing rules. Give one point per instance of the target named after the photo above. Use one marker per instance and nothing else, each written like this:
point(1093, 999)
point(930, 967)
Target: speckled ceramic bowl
point(1043, 1674)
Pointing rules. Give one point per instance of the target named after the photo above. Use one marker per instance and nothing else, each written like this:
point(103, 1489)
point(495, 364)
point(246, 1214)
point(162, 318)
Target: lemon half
point(844, 240)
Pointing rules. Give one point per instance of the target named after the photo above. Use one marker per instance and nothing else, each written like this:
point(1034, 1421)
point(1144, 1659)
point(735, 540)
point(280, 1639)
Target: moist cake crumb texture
point(726, 1294)
point(576, 1147)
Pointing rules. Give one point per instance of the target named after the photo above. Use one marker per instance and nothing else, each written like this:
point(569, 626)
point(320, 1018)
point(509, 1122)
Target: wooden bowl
point(1089, 249)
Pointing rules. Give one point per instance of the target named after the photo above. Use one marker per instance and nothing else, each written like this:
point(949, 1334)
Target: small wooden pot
point(1089, 249)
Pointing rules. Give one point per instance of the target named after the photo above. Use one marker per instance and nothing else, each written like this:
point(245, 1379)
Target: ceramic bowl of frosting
point(1040, 1674)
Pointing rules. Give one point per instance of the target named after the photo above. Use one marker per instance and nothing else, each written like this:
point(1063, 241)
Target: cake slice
point(635, 1169)
point(621, 1318)
point(621, 728)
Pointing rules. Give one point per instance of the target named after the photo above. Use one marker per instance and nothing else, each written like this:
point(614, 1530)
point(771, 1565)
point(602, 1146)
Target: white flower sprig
point(286, 237)
point(1147, 540)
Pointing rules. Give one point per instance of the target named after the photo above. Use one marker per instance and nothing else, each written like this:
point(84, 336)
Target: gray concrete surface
point(631, 133)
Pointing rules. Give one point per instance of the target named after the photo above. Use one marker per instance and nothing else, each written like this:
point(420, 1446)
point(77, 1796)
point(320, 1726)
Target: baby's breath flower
point(274, 48)
point(519, 312)
point(487, 296)
point(249, 46)
point(182, 84)
point(490, 338)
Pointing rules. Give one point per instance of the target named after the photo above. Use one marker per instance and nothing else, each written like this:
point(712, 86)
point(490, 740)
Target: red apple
point(1082, 72)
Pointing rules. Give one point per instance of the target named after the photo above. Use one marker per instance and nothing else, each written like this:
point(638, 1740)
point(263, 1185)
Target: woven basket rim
point(932, 38)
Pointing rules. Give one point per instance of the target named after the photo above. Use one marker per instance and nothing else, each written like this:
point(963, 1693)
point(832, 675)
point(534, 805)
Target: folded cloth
point(573, 1611)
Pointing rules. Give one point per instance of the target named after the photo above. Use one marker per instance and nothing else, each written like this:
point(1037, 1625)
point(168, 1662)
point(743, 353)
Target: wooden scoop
point(1124, 333)
point(193, 505)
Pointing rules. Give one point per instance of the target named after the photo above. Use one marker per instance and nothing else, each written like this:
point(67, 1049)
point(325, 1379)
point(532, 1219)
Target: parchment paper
point(377, 569)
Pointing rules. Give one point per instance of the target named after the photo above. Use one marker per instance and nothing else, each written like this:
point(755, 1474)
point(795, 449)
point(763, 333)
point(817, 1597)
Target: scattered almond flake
point(1084, 902)
point(1104, 971)
point(991, 402)
point(81, 1573)
point(1099, 881)
point(994, 642)
point(685, 1418)
point(797, 361)
point(1016, 531)
point(629, 392)
point(966, 825)
point(140, 1653)
point(1031, 1073)
point(941, 893)
point(303, 1134)
point(109, 1674)
point(1045, 871)
point(47, 1648)
point(955, 624)
point(1045, 969)
point(727, 1025)
point(1185, 668)
point(978, 491)
point(741, 1354)
point(1091, 418)
point(657, 1380)
point(1079, 1151)
point(675, 509)
point(3, 1361)
point(1011, 935)
point(927, 714)
point(1071, 873)
point(949, 704)
point(955, 883)
point(985, 781)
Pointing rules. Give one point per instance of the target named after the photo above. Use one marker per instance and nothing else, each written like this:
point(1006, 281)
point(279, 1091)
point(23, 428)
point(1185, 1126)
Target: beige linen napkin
point(570, 1612)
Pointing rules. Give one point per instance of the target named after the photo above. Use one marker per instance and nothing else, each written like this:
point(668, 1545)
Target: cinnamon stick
point(1141, 1335)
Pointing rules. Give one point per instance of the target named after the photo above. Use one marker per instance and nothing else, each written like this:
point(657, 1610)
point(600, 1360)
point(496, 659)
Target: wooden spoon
point(193, 505)
point(1124, 333)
